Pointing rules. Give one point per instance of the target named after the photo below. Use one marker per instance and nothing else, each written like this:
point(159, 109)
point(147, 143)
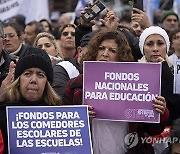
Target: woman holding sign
point(108, 136)
point(154, 45)
point(32, 85)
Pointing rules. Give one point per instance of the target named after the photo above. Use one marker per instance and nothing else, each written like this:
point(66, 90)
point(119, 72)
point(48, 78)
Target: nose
point(43, 47)
point(69, 35)
point(33, 79)
point(155, 48)
point(106, 52)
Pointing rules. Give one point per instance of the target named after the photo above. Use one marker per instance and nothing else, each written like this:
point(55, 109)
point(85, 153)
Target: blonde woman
point(32, 86)
point(47, 42)
point(154, 45)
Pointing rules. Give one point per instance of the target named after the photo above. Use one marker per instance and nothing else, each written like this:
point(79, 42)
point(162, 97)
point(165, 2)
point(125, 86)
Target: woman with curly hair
point(108, 136)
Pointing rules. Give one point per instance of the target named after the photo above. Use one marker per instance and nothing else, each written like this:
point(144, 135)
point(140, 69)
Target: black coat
point(172, 100)
point(3, 119)
point(4, 68)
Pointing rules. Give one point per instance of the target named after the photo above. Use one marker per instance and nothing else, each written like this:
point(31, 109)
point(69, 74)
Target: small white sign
point(177, 77)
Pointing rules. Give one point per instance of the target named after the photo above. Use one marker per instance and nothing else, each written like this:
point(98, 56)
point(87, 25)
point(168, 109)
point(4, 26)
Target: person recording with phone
point(110, 21)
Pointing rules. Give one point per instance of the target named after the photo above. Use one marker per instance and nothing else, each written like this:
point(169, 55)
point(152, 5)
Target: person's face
point(30, 34)
point(13, 41)
point(137, 28)
point(176, 148)
point(46, 44)
point(107, 51)
point(154, 47)
point(176, 42)
point(67, 39)
point(32, 84)
point(170, 23)
point(81, 52)
point(45, 26)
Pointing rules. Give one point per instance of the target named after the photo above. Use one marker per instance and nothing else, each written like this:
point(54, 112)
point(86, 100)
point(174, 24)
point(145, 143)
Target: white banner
point(176, 7)
point(31, 9)
point(150, 7)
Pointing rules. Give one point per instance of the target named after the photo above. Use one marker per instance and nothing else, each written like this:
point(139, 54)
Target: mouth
point(156, 56)
point(32, 90)
point(69, 41)
point(7, 45)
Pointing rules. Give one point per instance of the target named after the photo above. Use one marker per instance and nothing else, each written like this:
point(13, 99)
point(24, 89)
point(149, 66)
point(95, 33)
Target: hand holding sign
point(160, 104)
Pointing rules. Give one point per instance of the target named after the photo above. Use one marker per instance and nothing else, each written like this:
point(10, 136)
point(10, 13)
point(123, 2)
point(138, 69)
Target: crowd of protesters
point(42, 64)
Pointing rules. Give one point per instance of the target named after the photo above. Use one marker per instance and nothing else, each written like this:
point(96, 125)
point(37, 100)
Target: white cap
point(153, 30)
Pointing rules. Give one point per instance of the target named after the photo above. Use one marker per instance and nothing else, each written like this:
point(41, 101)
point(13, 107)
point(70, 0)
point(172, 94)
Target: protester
point(46, 25)
point(32, 85)
point(108, 136)
point(6, 67)
point(4, 56)
point(67, 41)
point(150, 37)
point(14, 41)
point(110, 23)
point(138, 29)
point(175, 45)
point(31, 30)
point(66, 70)
point(139, 21)
point(47, 42)
point(154, 44)
point(169, 20)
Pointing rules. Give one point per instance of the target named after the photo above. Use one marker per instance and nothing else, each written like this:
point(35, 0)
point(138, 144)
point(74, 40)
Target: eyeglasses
point(67, 33)
point(10, 35)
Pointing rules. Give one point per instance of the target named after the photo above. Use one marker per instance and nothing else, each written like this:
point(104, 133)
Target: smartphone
point(93, 11)
point(138, 4)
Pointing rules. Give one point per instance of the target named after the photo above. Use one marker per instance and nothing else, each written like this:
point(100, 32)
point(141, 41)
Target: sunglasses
point(67, 33)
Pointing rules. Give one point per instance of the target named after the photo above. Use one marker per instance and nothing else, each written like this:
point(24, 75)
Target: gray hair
point(1, 30)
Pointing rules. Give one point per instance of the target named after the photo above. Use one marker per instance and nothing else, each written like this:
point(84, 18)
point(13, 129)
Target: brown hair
point(124, 51)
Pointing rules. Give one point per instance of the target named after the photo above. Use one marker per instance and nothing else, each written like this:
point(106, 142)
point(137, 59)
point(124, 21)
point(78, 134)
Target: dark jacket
point(4, 68)
point(61, 77)
point(73, 96)
point(3, 119)
point(172, 100)
point(21, 52)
